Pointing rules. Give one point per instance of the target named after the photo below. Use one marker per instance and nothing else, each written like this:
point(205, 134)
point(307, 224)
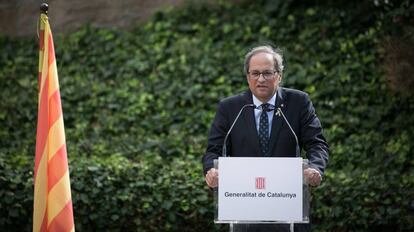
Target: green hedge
point(138, 105)
point(115, 194)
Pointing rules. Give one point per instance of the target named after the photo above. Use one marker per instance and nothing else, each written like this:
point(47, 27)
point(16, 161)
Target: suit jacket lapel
point(250, 122)
point(277, 121)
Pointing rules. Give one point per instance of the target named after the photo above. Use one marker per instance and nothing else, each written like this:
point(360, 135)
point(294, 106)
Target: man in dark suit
point(261, 131)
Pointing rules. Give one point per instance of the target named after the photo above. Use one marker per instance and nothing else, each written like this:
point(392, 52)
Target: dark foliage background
point(138, 105)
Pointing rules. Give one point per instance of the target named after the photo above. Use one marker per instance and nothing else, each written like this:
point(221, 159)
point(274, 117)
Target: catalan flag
point(52, 209)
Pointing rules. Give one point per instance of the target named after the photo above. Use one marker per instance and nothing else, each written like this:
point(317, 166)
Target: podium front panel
point(261, 190)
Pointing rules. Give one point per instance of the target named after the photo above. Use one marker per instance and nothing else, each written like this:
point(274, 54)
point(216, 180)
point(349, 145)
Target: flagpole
point(44, 7)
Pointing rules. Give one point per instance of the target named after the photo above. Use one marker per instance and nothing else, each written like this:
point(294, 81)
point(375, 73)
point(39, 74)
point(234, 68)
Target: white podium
point(255, 190)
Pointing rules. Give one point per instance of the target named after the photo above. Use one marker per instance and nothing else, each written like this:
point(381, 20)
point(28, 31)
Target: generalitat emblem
point(260, 183)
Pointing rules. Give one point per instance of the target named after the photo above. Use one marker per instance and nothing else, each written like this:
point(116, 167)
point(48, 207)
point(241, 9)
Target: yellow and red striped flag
point(52, 210)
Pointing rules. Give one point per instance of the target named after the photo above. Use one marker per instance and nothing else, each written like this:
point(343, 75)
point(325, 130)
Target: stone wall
point(19, 17)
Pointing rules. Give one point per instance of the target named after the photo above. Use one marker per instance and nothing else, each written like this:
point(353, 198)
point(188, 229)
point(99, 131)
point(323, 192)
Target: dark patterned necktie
point(264, 131)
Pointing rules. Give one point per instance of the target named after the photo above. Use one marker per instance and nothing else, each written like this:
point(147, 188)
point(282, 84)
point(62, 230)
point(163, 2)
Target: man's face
point(263, 88)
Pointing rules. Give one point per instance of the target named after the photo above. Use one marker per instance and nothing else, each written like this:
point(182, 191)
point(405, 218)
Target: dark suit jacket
point(243, 140)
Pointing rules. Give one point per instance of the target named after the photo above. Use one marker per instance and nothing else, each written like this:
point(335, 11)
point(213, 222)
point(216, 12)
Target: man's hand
point(312, 177)
point(212, 178)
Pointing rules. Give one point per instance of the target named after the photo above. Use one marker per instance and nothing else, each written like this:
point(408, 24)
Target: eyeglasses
point(267, 74)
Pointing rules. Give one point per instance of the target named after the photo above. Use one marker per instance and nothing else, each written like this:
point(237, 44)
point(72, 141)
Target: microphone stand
point(279, 112)
point(224, 149)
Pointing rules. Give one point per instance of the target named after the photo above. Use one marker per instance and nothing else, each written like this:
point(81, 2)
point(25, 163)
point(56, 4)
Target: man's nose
point(261, 77)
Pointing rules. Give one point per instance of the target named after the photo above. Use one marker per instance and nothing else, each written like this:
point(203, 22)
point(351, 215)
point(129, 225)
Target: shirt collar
point(257, 102)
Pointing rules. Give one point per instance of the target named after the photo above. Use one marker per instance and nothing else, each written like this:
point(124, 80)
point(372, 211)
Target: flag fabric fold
point(52, 208)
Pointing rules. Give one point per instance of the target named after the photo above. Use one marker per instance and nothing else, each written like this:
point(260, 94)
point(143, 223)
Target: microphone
point(279, 112)
point(224, 151)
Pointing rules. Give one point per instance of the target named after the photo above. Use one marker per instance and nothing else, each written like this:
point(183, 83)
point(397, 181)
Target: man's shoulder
point(293, 92)
point(240, 98)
